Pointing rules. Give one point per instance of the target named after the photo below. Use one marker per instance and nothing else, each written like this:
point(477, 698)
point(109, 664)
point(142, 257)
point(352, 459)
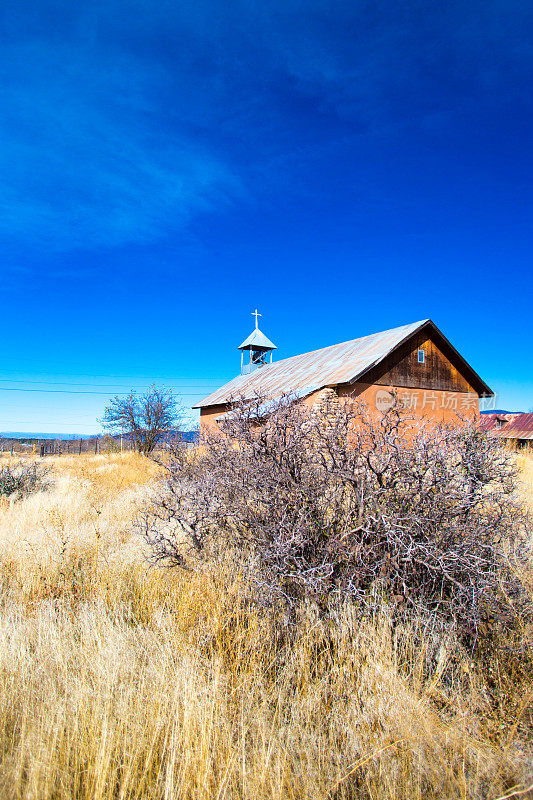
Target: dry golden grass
point(525, 462)
point(116, 682)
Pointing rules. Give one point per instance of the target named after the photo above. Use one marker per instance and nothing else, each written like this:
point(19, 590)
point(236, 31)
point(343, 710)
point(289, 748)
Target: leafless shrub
point(21, 480)
point(333, 504)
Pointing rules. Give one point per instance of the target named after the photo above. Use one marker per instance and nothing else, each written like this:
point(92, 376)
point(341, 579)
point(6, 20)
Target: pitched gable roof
point(257, 339)
point(339, 363)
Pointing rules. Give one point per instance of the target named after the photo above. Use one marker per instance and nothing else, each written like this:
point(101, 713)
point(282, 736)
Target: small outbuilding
point(518, 430)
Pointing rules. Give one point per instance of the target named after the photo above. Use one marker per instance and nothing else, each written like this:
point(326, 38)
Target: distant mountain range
point(500, 411)
point(36, 435)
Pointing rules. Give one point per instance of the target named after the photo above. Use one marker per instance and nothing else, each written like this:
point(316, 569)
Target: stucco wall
point(208, 418)
point(443, 406)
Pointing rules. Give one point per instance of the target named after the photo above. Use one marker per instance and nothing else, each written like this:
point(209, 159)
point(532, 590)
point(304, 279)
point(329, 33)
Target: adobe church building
point(429, 376)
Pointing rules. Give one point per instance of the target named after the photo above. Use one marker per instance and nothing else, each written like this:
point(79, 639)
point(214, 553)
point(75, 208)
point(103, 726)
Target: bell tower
point(259, 347)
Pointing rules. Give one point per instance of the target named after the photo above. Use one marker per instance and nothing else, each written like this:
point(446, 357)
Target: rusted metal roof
point(339, 363)
point(521, 427)
point(497, 420)
point(263, 409)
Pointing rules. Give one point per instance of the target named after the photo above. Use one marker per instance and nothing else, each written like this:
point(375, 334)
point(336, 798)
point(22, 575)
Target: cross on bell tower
point(258, 346)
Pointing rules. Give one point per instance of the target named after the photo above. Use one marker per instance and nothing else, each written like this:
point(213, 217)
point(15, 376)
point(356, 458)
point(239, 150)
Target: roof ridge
point(357, 339)
point(336, 363)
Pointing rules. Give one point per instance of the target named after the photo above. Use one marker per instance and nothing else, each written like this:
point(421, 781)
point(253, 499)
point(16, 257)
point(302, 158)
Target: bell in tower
point(259, 347)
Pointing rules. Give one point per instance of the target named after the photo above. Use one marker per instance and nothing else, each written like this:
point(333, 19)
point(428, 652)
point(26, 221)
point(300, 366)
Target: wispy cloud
point(83, 158)
point(121, 121)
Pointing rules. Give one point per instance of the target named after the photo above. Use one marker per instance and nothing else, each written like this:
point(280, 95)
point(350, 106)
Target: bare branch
point(147, 420)
point(332, 504)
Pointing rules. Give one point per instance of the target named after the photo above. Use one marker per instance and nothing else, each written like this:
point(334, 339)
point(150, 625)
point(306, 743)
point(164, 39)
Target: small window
point(421, 357)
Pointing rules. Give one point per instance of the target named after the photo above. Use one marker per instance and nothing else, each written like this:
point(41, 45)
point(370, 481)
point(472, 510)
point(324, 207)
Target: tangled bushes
point(21, 479)
point(332, 505)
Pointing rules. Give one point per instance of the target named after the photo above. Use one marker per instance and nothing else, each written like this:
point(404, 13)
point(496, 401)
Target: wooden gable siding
point(402, 368)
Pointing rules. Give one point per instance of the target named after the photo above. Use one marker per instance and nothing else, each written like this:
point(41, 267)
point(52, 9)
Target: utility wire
point(106, 394)
point(27, 433)
point(140, 377)
point(110, 385)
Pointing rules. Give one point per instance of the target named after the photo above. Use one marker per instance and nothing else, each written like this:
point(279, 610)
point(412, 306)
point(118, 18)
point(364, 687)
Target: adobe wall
point(208, 423)
point(443, 406)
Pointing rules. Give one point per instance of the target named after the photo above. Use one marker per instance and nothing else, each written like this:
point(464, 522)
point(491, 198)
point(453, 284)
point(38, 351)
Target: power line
point(68, 391)
point(30, 423)
point(76, 416)
point(109, 385)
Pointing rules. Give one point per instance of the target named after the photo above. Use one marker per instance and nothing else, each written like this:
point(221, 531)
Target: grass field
point(122, 682)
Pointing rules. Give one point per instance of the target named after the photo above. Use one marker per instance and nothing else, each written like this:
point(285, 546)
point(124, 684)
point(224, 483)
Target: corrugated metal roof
point(489, 422)
point(520, 428)
point(257, 339)
point(339, 363)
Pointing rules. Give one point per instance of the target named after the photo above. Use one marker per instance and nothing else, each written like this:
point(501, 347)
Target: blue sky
point(346, 167)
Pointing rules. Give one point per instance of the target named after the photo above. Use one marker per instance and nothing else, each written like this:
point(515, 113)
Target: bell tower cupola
point(259, 347)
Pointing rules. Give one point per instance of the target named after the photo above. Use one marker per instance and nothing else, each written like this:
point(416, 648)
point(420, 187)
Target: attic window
point(421, 357)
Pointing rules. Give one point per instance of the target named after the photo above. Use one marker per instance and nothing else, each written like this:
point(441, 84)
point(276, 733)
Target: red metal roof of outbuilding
point(521, 427)
point(489, 422)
